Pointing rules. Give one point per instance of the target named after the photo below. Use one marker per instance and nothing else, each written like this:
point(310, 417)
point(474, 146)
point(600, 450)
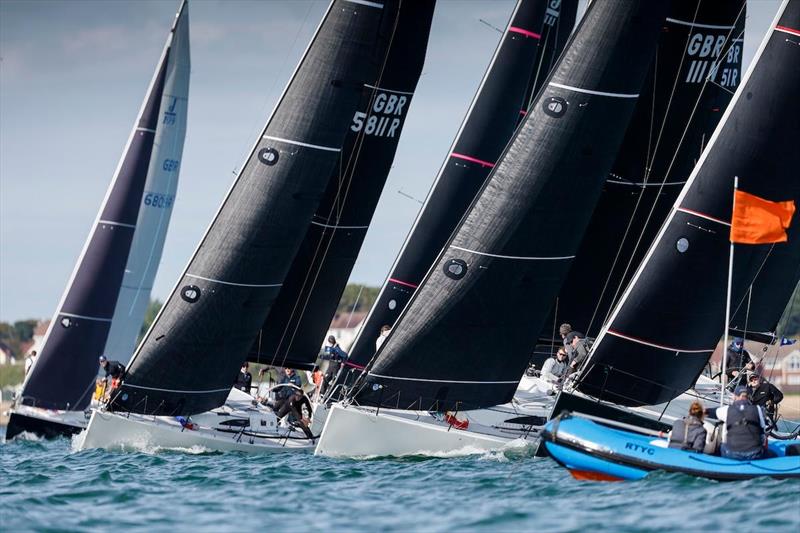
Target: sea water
point(47, 485)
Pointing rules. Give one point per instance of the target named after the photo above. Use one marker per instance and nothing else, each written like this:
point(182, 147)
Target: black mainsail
point(671, 316)
point(63, 376)
point(691, 81)
point(294, 329)
point(464, 339)
point(536, 33)
point(188, 359)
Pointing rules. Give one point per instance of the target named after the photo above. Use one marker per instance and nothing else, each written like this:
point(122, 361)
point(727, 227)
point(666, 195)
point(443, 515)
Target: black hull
point(47, 429)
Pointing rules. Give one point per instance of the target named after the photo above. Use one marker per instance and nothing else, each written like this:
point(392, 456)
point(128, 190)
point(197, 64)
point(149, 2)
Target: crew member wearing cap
point(114, 370)
point(745, 424)
point(764, 394)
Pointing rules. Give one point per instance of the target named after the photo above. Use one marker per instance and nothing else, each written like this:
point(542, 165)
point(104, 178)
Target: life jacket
point(681, 430)
point(743, 425)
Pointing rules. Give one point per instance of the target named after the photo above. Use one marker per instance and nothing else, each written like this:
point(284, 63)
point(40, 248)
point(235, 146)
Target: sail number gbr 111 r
point(385, 118)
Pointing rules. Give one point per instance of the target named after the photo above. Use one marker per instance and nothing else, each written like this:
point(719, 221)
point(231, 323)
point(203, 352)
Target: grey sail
point(294, 329)
point(672, 314)
point(464, 339)
point(189, 358)
point(63, 376)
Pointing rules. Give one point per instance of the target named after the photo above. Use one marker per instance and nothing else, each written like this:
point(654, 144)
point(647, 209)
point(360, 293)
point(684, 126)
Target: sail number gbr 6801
point(385, 117)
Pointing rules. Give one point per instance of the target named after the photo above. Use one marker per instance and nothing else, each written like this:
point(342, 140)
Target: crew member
point(244, 380)
point(554, 368)
point(114, 372)
point(688, 433)
point(737, 358)
point(764, 394)
point(745, 425)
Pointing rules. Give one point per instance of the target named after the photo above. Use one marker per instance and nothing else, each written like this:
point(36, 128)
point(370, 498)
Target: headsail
point(671, 315)
point(158, 198)
point(63, 376)
point(294, 329)
point(189, 358)
point(535, 29)
point(464, 339)
point(691, 81)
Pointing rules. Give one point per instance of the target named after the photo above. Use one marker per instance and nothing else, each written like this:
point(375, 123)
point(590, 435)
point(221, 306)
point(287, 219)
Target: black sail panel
point(671, 316)
point(293, 331)
point(690, 83)
point(63, 376)
point(190, 356)
point(463, 340)
point(494, 114)
point(557, 25)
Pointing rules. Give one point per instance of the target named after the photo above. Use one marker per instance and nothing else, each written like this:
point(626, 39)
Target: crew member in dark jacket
point(745, 424)
point(688, 433)
point(764, 394)
point(114, 372)
point(244, 380)
point(737, 358)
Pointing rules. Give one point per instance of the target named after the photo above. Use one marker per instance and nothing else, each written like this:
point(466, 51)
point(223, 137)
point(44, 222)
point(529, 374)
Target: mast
point(158, 199)
point(498, 106)
point(723, 374)
point(63, 376)
point(668, 321)
point(294, 329)
point(189, 358)
point(464, 339)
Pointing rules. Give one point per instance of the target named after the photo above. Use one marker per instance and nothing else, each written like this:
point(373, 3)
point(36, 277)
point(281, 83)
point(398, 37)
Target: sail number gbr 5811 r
point(385, 117)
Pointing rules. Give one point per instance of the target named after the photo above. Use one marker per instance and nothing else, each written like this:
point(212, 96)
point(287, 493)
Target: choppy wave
point(46, 485)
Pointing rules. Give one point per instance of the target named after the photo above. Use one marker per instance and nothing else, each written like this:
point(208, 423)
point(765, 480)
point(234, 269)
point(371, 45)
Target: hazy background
point(72, 78)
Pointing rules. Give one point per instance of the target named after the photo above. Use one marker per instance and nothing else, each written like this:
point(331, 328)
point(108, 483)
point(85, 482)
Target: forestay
point(63, 376)
point(294, 329)
point(464, 339)
point(189, 358)
point(691, 81)
point(536, 33)
point(671, 316)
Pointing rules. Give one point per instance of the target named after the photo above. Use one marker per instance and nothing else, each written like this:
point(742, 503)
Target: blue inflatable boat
point(593, 451)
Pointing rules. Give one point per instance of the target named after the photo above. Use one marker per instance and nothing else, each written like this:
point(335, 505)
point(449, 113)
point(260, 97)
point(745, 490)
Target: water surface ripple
point(45, 485)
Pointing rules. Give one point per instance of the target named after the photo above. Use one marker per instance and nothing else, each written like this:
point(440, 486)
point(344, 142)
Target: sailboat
point(668, 321)
point(463, 341)
point(177, 391)
point(102, 308)
point(533, 39)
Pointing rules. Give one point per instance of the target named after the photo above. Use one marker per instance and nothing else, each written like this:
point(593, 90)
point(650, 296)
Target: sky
point(73, 74)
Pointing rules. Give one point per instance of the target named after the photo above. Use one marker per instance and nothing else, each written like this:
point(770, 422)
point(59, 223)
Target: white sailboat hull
point(363, 432)
point(239, 425)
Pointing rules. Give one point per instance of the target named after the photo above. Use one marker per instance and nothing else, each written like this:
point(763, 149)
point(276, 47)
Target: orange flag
point(759, 221)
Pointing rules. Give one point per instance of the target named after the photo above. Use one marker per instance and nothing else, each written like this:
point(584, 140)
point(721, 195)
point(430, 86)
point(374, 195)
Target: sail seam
point(654, 345)
point(645, 184)
point(298, 143)
point(786, 29)
point(146, 129)
point(366, 3)
point(526, 33)
point(367, 85)
point(95, 318)
point(234, 284)
point(513, 382)
point(697, 25)
point(702, 215)
point(590, 91)
point(112, 223)
point(523, 258)
point(472, 159)
point(400, 282)
point(176, 390)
